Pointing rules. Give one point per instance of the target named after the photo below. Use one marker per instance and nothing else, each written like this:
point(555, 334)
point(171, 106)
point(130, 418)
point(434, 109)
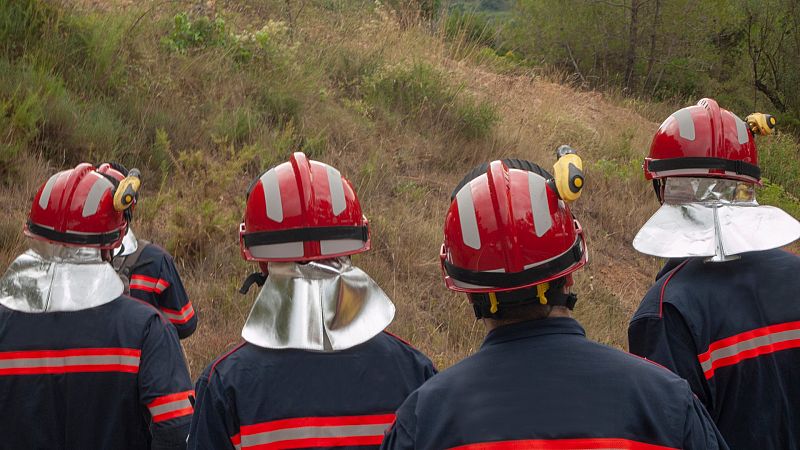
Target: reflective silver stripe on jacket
point(289, 434)
point(66, 361)
point(170, 407)
point(752, 345)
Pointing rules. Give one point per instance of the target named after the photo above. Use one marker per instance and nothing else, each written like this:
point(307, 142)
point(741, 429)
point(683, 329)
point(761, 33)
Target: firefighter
point(316, 369)
point(723, 313)
point(81, 365)
point(149, 272)
point(511, 244)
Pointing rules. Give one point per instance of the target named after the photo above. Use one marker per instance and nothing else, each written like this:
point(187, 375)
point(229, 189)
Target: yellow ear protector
point(568, 173)
point(125, 194)
point(760, 123)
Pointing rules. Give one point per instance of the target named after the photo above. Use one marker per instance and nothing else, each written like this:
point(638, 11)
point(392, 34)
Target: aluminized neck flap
point(50, 277)
point(129, 244)
point(326, 305)
point(713, 218)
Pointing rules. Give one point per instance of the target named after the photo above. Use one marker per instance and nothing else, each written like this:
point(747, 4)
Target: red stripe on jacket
point(749, 344)
point(314, 432)
point(336, 421)
point(318, 443)
point(562, 444)
point(171, 406)
point(44, 362)
point(181, 316)
point(148, 284)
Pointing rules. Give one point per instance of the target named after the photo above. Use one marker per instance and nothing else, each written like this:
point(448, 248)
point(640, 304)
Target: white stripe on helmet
point(685, 123)
point(272, 195)
point(336, 186)
point(48, 189)
point(337, 246)
point(741, 130)
point(282, 250)
point(466, 215)
point(540, 207)
point(100, 186)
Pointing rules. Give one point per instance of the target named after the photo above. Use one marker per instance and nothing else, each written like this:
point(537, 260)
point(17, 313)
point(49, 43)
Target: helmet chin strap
point(258, 278)
point(658, 186)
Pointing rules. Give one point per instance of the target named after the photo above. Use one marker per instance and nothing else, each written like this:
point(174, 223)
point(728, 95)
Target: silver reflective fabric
point(50, 278)
point(713, 218)
point(326, 305)
point(710, 191)
point(129, 244)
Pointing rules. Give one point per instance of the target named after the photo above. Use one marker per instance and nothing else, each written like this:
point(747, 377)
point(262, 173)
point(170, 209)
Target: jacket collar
point(533, 328)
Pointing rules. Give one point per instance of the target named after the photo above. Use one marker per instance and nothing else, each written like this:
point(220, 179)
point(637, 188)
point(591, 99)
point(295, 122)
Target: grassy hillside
point(203, 98)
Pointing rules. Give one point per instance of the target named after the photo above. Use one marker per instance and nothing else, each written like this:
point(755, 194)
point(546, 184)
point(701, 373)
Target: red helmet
point(507, 230)
point(76, 208)
point(302, 210)
point(703, 141)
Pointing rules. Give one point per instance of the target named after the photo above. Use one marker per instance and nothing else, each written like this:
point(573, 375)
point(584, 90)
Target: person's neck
point(555, 312)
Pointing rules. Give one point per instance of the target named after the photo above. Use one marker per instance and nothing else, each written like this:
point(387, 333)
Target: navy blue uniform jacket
point(254, 397)
point(542, 385)
point(732, 330)
point(100, 378)
point(155, 280)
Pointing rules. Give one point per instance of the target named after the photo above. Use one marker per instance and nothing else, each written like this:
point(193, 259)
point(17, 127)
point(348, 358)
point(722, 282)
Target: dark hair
point(118, 167)
point(511, 163)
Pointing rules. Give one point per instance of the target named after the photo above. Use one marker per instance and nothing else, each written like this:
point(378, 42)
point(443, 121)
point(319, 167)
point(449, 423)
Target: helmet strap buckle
point(254, 278)
point(541, 290)
point(493, 303)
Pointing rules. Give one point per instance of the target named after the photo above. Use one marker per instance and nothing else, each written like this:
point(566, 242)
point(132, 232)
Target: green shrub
point(349, 69)
point(476, 120)
point(161, 151)
point(410, 10)
point(82, 49)
point(235, 126)
point(8, 154)
point(613, 169)
point(99, 130)
point(506, 62)
point(470, 26)
point(24, 112)
point(423, 93)
point(779, 159)
point(412, 90)
point(314, 146)
point(775, 195)
point(90, 57)
point(22, 24)
point(24, 93)
point(198, 33)
point(37, 108)
point(279, 105)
